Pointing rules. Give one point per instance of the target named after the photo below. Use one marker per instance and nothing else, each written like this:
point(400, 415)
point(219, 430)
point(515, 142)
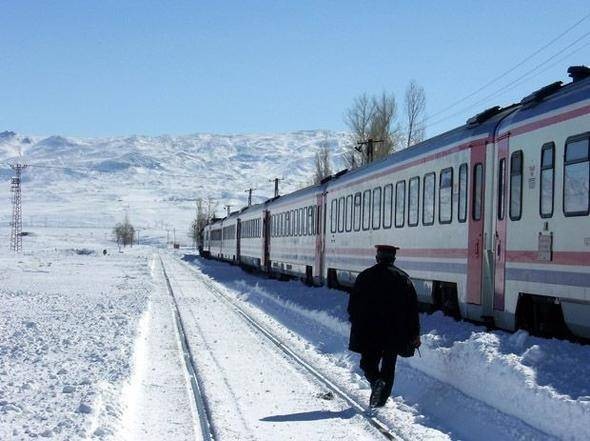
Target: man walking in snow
point(383, 311)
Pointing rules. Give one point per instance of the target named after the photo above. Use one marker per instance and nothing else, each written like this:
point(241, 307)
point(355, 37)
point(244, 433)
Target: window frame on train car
point(302, 221)
point(403, 206)
point(513, 173)
point(357, 221)
point(543, 168)
point(415, 179)
point(477, 195)
point(566, 163)
point(373, 205)
point(383, 223)
point(428, 176)
point(442, 173)
point(311, 219)
point(333, 215)
point(348, 213)
point(307, 221)
point(463, 193)
point(501, 202)
point(341, 213)
point(287, 223)
point(368, 208)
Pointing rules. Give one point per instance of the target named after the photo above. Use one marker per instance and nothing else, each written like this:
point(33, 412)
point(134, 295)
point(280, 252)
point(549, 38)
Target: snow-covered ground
point(468, 383)
point(89, 350)
point(68, 317)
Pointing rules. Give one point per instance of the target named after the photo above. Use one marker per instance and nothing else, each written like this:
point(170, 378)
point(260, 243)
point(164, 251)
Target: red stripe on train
point(578, 258)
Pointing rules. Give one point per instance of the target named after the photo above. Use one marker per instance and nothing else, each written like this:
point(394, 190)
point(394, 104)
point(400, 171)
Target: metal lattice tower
point(16, 238)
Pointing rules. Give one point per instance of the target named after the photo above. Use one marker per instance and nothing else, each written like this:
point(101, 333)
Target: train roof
point(481, 125)
point(553, 96)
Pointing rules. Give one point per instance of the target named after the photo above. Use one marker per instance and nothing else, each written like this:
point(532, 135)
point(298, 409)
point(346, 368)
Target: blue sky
point(102, 68)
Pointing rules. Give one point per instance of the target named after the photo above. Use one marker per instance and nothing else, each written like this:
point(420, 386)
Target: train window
point(462, 200)
point(576, 176)
point(318, 222)
point(413, 201)
point(445, 196)
point(302, 221)
point(501, 188)
point(288, 223)
point(341, 213)
point(306, 213)
point(282, 223)
point(428, 191)
point(349, 209)
point(333, 215)
point(547, 186)
point(357, 212)
point(299, 222)
point(477, 192)
point(272, 225)
point(366, 209)
point(387, 205)
point(311, 219)
point(516, 164)
point(400, 204)
point(376, 208)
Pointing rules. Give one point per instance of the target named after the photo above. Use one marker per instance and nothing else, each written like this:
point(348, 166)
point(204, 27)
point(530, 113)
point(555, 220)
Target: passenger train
point(491, 218)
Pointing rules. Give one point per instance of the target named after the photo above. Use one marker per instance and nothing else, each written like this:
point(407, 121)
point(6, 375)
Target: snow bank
point(544, 383)
point(67, 327)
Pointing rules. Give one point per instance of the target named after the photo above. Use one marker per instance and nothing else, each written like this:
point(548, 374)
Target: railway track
point(203, 409)
point(205, 419)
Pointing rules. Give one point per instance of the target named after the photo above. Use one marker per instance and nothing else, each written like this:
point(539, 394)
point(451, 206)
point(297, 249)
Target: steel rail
point(386, 431)
point(203, 410)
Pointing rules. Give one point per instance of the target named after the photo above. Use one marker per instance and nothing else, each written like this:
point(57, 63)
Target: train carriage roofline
point(551, 103)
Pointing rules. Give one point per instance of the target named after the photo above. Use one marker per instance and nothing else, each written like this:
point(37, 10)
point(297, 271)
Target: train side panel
point(543, 256)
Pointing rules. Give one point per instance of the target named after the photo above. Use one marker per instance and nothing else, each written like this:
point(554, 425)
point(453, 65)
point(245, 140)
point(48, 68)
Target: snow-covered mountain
point(82, 181)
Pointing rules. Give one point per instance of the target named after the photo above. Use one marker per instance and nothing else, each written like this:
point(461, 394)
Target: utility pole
point(249, 191)
point(370, 148)
point(276, 181)
point(16, 237)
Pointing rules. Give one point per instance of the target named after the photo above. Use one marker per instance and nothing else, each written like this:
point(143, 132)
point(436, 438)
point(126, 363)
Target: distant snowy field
point(94, 181)
point(68, 319)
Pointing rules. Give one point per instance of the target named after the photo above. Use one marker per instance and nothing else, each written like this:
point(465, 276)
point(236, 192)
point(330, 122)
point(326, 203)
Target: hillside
point(84, 181)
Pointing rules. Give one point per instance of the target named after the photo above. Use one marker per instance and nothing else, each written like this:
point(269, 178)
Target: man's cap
point(386, 249)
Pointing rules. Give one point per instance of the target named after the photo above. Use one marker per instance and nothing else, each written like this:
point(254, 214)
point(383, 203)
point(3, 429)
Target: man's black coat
point(383, 310)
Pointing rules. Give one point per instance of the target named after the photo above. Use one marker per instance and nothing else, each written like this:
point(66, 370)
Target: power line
point(527, 75)
point(509, 71)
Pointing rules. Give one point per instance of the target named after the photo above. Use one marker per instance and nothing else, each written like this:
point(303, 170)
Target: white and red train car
point(491, 218)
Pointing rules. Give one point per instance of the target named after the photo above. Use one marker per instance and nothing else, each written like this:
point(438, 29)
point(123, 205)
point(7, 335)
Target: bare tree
point(372, 118)
point(358, 119)
point(381, 128)
point(204, 214)
point(124, 232)
point(323, 168)
point(415, 105)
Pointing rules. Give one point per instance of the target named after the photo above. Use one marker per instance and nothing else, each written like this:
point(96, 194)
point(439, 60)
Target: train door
point(266, 240)
point(500, 219)
point(476, 217)
point(238, 240)
point(319, 239)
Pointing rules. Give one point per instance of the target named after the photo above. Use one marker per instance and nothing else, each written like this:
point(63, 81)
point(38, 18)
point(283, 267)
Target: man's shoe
point(376, 391)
